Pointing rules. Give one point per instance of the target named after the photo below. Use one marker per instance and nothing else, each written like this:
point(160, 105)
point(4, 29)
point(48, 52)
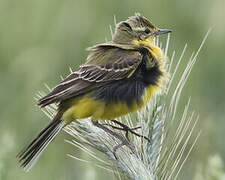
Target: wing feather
point(103, 65)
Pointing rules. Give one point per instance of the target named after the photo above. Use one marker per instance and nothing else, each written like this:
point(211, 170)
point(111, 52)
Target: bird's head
point(137, 30)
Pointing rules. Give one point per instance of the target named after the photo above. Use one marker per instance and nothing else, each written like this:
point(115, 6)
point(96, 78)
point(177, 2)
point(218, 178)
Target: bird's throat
point(149, 44)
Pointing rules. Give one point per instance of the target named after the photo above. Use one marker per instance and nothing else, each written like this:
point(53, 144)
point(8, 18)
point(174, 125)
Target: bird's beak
point(162, 31)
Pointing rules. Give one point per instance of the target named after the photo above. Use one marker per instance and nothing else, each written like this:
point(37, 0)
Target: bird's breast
point(110, 102)
point(116, 109)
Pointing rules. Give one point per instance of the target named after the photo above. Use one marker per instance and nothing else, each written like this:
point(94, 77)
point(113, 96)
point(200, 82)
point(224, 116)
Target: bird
point(119, 77)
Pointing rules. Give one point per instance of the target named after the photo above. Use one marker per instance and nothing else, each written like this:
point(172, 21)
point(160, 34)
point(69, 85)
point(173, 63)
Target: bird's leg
point(128, 129)
point(122, 129)
point(121, 138)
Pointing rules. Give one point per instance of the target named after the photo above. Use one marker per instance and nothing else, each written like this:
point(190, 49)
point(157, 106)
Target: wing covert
point(104, 65)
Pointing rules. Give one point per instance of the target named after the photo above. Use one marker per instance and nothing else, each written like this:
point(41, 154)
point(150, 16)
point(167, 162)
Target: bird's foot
point(127, 129)
point(124, 141)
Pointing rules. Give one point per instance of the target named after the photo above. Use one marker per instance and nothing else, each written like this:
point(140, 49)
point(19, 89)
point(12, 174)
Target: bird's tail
point(29, 155)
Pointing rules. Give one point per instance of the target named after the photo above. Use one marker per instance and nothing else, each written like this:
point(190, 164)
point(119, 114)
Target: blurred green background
point(39, 40)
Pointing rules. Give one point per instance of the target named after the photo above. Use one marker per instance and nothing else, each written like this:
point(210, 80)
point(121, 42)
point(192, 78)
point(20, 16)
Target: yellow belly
point(114, 110)
point(87, 106)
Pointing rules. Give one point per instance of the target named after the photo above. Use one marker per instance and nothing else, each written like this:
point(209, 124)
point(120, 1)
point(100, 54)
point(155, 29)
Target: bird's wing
point(103, 65)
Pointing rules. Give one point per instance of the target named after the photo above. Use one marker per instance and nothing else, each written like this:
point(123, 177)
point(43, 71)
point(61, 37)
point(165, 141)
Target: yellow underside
point(86, 106)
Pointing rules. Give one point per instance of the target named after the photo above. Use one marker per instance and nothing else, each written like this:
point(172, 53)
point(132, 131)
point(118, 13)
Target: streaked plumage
point(118, 77)
point(95, 73)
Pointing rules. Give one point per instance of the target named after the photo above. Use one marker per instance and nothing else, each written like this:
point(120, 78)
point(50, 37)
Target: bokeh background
point(39, 40)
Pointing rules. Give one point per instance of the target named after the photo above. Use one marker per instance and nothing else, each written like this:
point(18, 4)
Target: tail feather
point(31, 153)
point(33, 148)
point(35, 139)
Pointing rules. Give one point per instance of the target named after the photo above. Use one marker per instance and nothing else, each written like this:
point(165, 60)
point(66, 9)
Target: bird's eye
point(147, 31)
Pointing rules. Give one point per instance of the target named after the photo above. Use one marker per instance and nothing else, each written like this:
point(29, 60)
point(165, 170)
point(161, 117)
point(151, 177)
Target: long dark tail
point(29, 155)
